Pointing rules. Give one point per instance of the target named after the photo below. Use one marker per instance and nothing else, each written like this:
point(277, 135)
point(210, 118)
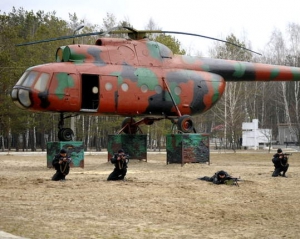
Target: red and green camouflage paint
point(187, 148)
point(134, 78)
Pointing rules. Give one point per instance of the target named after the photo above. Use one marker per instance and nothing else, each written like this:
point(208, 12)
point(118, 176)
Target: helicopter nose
point(21, 92)
point(21, 97)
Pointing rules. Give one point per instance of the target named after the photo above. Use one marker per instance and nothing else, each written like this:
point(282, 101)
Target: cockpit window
point(42, 82)
point(29, 79)
point(22, 78)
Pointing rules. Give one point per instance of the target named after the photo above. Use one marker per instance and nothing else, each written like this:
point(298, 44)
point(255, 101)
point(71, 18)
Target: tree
point(109, 22)
point(293, 59)
point(167, 40)
point(170, 42)
point(17, 27)
point(230, 108)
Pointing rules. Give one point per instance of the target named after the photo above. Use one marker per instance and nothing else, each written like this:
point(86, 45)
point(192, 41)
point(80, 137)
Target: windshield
point(42, 82)
point(27, 78)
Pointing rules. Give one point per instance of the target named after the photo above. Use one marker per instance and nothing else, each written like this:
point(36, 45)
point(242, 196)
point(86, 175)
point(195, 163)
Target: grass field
point(156, 201)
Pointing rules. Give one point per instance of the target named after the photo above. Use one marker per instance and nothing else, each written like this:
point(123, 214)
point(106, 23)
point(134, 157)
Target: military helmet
point(222, 172)
point(63, 151)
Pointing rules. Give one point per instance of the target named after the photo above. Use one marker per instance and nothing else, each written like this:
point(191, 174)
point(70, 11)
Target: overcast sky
point(255, 19)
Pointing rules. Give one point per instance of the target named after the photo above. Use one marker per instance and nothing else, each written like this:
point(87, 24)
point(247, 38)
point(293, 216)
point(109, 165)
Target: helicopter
point(134, 77)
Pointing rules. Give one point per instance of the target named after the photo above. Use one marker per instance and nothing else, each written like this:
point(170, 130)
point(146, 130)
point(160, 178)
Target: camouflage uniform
point(216, 179)
point(120, 161)
point(63, 168)
point(280, 162)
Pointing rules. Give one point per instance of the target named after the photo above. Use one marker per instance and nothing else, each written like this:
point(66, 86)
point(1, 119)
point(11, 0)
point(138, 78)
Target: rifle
point(285, 159)
point(232, 181)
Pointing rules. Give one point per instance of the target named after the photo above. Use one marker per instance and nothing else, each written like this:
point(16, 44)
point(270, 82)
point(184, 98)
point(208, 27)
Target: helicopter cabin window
point(158, 89)
point(124, 87)
point(22, 78)
point(144, 88)
point(27, 78)
point(177, 90)
point(95, 90)
point(24, 97)
point(42, 82)
point(108, 86)
point(30, 79)
point(165, 52)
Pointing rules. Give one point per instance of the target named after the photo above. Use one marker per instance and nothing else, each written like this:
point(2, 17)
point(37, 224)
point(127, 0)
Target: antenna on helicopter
point(77, 29)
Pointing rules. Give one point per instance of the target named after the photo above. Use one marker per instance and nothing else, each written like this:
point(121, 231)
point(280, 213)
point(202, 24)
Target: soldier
point(220, 177)
point(61, 163)
point(280, 162)
point(120, 160)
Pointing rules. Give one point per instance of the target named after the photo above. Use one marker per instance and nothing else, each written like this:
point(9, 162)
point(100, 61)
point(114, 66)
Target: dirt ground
point(156, 201)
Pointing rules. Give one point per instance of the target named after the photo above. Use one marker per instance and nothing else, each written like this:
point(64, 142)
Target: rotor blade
point(60, 38)
point(136, 34)
point(211, 38)
point(140, 33)
point(113, 30)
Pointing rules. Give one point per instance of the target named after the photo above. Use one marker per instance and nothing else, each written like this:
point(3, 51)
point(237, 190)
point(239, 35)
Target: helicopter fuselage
point(134, 77)
point(103, 80)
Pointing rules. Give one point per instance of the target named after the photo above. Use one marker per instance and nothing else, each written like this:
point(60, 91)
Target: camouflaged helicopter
point(134, 77)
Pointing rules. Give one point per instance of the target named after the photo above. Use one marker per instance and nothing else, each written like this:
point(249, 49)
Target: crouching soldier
point(280, 161)
point(61, 163)
point(120, 160)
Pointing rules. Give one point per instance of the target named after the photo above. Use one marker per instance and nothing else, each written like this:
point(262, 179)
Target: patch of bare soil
point(156, 201)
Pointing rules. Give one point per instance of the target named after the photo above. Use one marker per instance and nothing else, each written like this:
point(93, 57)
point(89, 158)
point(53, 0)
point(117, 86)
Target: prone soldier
point(221, 177)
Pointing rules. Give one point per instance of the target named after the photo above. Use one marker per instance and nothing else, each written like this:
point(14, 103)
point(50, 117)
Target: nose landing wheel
point(64, 134)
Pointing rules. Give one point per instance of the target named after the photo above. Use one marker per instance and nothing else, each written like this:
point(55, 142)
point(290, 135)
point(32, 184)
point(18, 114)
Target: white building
point(286, 133)
point(253, 136)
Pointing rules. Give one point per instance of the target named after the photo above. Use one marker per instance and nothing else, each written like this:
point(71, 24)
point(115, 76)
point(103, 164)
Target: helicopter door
point(89, 93)
point(108, 94)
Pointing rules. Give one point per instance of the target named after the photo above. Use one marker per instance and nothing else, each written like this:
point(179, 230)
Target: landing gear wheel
point(65, 134)
point(130, 128)
point(185, 124)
